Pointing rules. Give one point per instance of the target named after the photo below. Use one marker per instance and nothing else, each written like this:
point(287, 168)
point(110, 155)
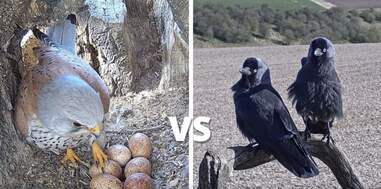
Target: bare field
point(358, 134)
point(356, 3)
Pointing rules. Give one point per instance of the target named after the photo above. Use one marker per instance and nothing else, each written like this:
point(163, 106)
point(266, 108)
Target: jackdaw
point(262, 116)
point(316, 92)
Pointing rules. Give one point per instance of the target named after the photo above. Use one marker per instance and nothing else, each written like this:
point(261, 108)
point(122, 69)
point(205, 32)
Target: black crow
point(262, 116)
point(316, 92)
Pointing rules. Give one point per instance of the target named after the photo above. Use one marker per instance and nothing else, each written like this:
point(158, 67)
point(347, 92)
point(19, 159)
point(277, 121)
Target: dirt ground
point(358, 134)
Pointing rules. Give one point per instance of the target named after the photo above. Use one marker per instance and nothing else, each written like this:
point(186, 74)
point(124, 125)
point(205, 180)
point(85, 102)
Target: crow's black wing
point(298, 91)
point(256, 115)
point(288, 148)
point(284, 115)
point(265, 118)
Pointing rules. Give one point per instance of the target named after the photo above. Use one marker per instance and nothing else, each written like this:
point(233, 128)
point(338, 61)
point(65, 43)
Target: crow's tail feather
point(291, 154)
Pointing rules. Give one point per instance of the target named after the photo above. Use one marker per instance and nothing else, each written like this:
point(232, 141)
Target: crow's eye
point(77, 124)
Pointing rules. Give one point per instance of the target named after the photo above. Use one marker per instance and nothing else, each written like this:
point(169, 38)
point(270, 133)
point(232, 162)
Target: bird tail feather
point(295, 158)
point(62, 34)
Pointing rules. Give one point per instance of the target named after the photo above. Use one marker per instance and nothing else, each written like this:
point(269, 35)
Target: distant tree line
point(239, 25)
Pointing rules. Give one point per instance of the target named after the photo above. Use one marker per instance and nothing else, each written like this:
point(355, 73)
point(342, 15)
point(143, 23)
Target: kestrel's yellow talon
point(99, 156)
point(71, 156)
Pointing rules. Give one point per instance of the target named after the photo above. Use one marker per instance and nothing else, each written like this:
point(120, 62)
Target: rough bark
point(246, 157)
point(160, 55)
point(180, 9)
point(100, 41)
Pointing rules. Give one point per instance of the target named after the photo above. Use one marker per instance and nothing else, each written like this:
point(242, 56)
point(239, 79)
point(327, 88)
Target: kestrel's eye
point(77, 124)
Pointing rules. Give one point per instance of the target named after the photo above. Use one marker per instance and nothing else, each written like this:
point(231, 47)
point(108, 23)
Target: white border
point(190, 93)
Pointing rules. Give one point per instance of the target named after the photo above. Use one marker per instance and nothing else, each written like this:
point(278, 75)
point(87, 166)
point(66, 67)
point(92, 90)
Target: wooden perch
point(246, 157)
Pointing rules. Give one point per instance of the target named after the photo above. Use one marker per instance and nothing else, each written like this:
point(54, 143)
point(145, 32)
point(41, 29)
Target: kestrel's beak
point(97, 129)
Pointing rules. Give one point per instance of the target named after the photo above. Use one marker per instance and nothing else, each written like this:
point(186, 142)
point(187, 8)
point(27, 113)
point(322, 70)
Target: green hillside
point(274, 4)
point(215, 24)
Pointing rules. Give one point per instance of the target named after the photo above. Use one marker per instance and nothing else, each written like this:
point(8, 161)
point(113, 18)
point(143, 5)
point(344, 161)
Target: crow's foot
point(328, 139)
point(328, 135)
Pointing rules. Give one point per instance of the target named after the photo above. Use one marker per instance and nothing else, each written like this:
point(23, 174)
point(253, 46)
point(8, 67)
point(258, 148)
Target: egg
point(113, 168)
point(119, 153)
point(140, 145)
point(137, 165)
point(95, 170)
point(138, 181)
point(105, 181)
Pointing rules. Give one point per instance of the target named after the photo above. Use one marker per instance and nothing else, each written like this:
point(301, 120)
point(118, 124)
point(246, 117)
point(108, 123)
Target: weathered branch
point(246, 157)
point(210, 172)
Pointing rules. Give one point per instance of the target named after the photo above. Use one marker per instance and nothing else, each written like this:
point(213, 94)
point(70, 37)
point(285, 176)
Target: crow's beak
point(245, 71)
point(97, 129)
point(319, 52)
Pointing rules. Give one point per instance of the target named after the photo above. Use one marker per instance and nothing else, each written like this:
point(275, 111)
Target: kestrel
point(62, 100)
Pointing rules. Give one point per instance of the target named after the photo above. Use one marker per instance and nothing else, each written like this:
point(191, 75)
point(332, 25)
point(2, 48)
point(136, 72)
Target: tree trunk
point(101, 42)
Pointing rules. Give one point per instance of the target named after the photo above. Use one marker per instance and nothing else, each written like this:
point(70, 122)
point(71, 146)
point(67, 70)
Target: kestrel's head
point(68, 105)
